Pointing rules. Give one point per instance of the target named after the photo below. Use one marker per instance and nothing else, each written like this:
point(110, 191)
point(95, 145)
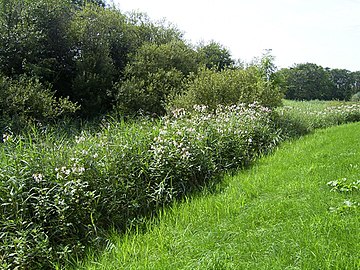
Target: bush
point(148, 94)
point(355, 97)
point(228, 87)
point(156, 73)
point(27, 100)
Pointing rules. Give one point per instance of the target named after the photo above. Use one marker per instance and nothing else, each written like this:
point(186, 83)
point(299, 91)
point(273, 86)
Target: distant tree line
point(310, 81)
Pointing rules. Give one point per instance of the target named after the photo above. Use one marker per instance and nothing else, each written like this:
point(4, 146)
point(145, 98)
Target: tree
point(356, 82)
point(94, 66)
point(214, 55)
point(20, 37)
point(307, 82)
point(155, 73)
point(82, 3)
point(35, 41)
point(147, 31)
point(343, 82)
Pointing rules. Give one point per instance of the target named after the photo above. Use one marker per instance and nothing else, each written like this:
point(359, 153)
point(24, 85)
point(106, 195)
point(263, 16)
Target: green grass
point(314, 105)
point(276, 215)
point(63, 187)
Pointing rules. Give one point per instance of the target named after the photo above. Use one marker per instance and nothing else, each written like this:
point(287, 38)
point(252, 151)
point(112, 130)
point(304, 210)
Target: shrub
point(26, 100)
point(148, 94)
point(355, 97)
point(155, 73)
point(228, 87)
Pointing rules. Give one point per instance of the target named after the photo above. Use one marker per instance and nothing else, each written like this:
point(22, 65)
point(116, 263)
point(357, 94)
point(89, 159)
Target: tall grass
point(297, 118)
point(58, 194)
point(281, 214)
point(61, 188)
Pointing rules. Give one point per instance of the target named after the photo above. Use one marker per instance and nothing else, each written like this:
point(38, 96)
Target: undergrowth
point(279, 214)
point(62, 188)
point(58, 194)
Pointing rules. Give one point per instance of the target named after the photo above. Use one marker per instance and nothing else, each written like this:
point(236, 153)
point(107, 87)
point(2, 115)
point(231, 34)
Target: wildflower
point(6, 137)
point(65, 171)
point(79, 139)
point(38, 177)
point(79, 170)
point(178, 113)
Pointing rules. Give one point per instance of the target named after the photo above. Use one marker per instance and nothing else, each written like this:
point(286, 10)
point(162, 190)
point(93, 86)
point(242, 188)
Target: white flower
point(38, 177)
point(79, 139)
point(6, 137)
point(65, 171)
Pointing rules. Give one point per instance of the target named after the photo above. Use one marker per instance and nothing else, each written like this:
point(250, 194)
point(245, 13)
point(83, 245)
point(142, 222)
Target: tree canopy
point(311, 81)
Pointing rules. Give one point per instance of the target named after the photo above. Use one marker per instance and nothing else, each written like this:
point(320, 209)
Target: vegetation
point(292, 210)
point(300, 118)
point(310, 81)
point(26, 100)
point(108, 117)
point(211, 88)
point(60, 192)
point(102, 60)
point(62, 189)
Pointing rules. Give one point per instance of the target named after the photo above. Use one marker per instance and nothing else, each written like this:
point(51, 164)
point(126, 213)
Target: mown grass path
point(275, 215)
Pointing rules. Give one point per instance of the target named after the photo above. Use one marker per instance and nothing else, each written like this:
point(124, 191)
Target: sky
point(324, 32)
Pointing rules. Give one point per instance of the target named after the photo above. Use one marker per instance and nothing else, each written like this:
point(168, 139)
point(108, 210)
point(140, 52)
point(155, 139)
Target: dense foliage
point(78, 47)
point(60, 188)
point(310, 81)
point(27, 100)
point(102, 59)
point(228, 86)
point(58, 194)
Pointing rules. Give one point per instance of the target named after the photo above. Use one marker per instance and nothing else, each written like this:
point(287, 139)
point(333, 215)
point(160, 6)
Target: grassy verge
point(62, 188)
point(59, 193)
point(281, 214)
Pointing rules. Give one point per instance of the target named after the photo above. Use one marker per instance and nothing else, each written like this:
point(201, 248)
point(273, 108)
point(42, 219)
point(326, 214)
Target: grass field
point(280, 214)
